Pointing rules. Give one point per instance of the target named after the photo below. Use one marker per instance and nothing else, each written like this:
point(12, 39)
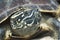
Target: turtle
point(25, 16)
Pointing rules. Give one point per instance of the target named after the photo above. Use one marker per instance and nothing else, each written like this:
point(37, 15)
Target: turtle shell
point(7, 7)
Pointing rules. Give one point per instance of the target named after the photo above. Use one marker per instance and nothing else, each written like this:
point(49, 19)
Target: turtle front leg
point(8, 34)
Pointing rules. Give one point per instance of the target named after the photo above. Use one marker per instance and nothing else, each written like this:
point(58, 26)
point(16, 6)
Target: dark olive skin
point(2, 33)
point(56, 24)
